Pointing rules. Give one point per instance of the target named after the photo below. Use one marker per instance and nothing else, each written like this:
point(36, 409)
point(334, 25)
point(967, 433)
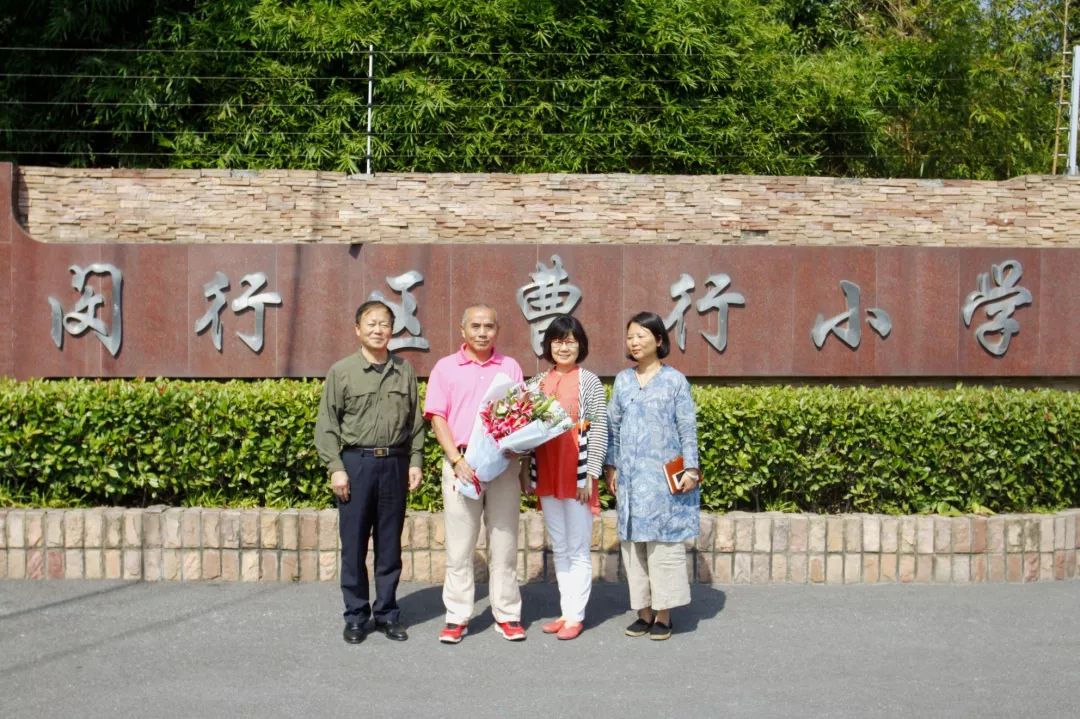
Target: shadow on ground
point(540, 602)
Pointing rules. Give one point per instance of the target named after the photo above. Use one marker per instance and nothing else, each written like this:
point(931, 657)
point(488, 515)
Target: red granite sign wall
point(246, 310)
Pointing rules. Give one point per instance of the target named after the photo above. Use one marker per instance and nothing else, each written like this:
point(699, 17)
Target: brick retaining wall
point(118, 205)
point(194, 544)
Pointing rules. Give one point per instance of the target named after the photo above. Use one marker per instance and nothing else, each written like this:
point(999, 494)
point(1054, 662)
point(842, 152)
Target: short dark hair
point(371, 304)
point(655, 324)
point(561, 326)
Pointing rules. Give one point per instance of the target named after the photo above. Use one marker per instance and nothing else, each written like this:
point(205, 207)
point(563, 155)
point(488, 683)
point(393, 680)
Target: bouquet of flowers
point(514, 417)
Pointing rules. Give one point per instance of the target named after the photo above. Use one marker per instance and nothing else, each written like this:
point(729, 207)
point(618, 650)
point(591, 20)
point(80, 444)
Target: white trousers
point(569, 524)
point(499, 507)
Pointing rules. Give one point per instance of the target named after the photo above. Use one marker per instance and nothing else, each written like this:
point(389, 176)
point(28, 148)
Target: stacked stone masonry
point(262, 545)
point(197, 206)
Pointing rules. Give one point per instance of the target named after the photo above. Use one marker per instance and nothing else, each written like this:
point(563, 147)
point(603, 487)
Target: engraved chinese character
point(550, 294)
point(680, 290)
point(84, 316)
point(214, 291)
point(721, 301)
point(249, 300)
point(1000, 301)
point(851, 335)
point(715, 299)
point(404, 312)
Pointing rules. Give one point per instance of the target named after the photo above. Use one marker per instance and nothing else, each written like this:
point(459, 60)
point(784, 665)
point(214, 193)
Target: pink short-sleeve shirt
point(458, 383)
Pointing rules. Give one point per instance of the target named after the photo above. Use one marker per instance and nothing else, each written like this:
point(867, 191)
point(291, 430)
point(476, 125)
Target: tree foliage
point(917, 88)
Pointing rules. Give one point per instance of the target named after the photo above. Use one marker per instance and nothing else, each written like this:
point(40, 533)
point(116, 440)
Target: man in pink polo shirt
point(456, 386)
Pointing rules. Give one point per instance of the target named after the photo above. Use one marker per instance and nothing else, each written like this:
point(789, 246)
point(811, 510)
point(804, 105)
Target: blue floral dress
point(648, 427)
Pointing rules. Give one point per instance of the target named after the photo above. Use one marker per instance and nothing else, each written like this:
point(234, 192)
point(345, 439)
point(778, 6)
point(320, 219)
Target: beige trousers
point(656, 573)
point(499, 507)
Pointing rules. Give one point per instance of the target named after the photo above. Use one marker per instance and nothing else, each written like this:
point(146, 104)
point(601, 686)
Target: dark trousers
point(376, 506)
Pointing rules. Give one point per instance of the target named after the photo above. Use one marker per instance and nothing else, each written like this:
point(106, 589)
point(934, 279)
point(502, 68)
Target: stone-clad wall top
point(192, 544)
point(103, 205)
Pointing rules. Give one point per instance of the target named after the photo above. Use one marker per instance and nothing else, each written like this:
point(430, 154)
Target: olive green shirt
point(361, 407)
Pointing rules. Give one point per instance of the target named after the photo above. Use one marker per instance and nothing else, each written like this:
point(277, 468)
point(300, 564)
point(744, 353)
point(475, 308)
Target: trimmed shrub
point(891, 450)
point(818, 449)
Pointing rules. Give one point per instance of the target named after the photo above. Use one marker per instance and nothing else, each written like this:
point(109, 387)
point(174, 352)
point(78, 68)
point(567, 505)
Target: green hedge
point(821, 449)
point(892, 450)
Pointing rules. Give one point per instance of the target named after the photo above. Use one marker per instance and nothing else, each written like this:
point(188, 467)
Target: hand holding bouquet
point(513, 417)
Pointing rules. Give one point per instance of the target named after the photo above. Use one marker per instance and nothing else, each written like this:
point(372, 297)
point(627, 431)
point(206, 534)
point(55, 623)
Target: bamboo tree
point(949, 88)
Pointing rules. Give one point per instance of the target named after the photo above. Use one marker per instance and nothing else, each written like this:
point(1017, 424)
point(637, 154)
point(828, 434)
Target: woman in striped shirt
point(564, 472)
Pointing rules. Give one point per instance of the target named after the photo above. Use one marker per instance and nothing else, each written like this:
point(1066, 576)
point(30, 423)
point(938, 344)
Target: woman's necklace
point(645, 377)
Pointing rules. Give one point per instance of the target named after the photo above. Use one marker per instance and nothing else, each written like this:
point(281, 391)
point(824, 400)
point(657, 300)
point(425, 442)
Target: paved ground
point(111, 649)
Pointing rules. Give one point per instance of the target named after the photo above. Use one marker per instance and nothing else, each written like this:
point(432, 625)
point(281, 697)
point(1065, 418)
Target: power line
point(463, 134)
point(394, 78)
point(330, 78)
point(261, 78)
point(363, 51)
point(359, 102)
point(440, 156)
point(357, 51)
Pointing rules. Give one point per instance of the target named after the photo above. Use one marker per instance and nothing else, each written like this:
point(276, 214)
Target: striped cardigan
point(592, 442)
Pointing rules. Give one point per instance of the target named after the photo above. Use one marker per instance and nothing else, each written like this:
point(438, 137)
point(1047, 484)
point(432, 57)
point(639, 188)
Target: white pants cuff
point(569, 524)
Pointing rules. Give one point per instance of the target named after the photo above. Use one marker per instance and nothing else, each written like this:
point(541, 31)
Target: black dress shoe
point(354, 632)
point(392, 630)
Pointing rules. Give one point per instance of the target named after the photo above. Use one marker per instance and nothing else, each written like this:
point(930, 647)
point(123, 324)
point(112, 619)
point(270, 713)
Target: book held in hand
point(674, 471)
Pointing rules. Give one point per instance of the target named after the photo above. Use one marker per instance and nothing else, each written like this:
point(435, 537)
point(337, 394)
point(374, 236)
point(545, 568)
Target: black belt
point(398, 451)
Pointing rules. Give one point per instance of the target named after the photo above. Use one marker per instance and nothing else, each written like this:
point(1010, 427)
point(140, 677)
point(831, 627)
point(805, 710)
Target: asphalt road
point(115, 649)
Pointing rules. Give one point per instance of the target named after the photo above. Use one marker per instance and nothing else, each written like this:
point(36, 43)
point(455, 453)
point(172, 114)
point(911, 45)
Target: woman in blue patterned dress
point(652, 420)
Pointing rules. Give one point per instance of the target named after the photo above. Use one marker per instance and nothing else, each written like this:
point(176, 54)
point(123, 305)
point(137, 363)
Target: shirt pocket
point(360, 401)
point(395, 408)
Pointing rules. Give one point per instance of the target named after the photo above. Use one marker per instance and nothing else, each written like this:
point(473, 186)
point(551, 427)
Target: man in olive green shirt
point(370, 435)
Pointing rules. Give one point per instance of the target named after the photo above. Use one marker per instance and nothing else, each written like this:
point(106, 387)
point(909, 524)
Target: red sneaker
point(452, 633)
point(511, 631)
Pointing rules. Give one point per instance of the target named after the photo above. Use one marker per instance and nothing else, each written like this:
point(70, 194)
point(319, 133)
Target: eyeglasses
point(569, 344)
